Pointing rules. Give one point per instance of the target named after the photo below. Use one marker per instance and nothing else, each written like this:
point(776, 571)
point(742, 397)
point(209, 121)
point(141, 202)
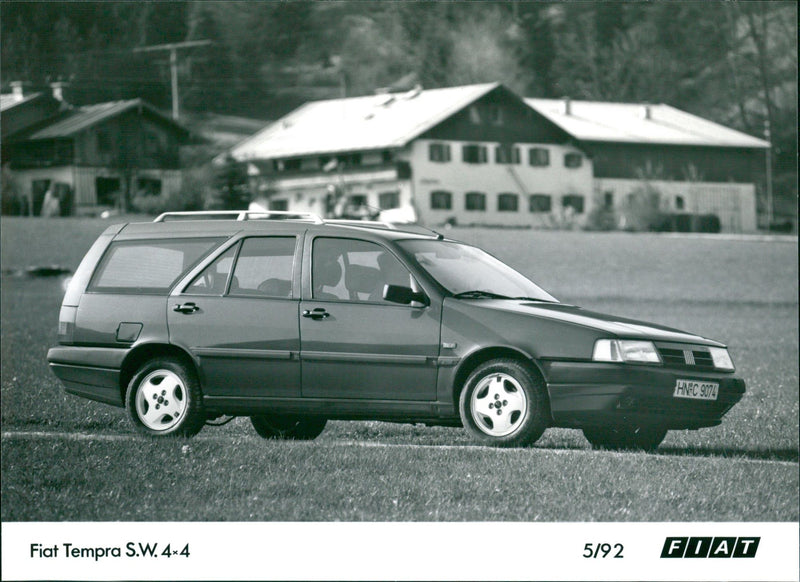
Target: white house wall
point(308, 193)
point(492, 179)
point(733, 203)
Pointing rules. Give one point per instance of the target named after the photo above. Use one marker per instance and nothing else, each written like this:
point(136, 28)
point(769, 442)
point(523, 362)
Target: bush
point(602, 218)
point(195, 189)
point(641, 209)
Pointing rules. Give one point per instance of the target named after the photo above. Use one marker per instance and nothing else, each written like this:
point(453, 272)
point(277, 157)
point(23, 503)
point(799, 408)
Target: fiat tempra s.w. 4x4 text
point(293, 320)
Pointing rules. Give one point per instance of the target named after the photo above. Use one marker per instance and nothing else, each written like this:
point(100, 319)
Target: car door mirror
point(404, 295)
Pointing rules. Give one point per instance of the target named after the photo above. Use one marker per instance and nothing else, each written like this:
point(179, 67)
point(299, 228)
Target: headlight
point(722, 359)
point(606, 350)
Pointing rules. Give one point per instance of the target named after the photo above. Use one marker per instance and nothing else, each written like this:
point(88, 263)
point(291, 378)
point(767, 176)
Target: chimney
point(58, 90)
point(16, 88)
point(646, 112)
point(566, 106)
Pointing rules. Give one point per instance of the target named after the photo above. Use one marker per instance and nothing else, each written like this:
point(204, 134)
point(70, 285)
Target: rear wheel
point(504, 404)
point(279, 426)
point(164, 399)
point(625, 437)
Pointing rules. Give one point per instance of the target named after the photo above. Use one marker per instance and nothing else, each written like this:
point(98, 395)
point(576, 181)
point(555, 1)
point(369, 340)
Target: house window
point(280, 204)
point(495, 114)
point(574, 201)
point(506, 154)
point(441, 200)
point(573, 160)
point(103, 140)
point(388, 200)
point(349, 160)
point(475, 201)
point(539, 157)
point(152, 143)
point(108, 190)
point(357, 199)
point(292, 164)
point(474, 115)
point(540, 203)
point(608, 200)
point(680, 204)
point(439, 152)
point(148, 186)
point(507, 202)
point(474, 154)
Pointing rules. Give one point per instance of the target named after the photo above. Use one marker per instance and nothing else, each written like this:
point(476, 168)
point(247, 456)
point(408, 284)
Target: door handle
point(186, 308)
point(316, 313)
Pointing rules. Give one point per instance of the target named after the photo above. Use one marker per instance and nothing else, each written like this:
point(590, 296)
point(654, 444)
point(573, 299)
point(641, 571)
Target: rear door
point(238, 317)
point(354, 343)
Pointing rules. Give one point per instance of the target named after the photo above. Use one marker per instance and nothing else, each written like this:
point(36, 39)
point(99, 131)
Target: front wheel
point(275, 426)
point(504, 404)
point(625, 437)
point(164, 398)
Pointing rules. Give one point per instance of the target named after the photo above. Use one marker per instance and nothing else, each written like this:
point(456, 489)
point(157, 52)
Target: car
point(293, 320)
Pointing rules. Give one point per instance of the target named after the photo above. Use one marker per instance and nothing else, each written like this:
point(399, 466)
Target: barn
point(91, 155)
point(687, 166)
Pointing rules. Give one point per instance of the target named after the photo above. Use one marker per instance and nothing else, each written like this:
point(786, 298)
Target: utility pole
point(767, 136)
point(173, 64)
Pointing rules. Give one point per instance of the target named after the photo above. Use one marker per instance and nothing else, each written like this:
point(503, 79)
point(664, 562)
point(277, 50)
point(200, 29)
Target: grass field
point(65, 458)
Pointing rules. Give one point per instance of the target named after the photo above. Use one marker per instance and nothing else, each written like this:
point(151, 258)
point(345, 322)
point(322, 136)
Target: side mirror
point(403, 295)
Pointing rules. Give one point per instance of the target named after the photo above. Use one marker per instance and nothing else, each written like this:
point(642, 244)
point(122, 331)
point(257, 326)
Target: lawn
point(741, 292)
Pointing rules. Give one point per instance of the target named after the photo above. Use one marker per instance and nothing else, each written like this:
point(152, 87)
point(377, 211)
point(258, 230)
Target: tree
point(231, 187)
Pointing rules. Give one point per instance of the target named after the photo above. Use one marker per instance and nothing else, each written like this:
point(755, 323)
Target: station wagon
point(293, 321)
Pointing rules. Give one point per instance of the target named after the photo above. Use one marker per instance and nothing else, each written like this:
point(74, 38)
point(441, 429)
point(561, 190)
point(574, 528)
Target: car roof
point(200, 224)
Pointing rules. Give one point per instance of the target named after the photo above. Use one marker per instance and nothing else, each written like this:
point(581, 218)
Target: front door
point(354, 344)
point(239, 319)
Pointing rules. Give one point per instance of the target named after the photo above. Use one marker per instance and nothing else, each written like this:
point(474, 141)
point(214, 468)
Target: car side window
point(354, 270)
point(213, 279)
point(264, 267)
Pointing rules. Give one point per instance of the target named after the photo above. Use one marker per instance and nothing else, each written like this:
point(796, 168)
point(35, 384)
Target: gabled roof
point(80, 118)
point(358, 123)
point(9, 100)
point(597, 121)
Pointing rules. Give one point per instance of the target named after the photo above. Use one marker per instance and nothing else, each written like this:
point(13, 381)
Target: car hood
point(615, 326)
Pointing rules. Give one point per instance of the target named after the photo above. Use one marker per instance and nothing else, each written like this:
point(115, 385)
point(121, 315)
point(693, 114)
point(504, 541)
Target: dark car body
point(287, 348)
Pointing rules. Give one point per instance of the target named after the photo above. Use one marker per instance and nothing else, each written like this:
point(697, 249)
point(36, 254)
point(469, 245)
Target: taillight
point(66, 324)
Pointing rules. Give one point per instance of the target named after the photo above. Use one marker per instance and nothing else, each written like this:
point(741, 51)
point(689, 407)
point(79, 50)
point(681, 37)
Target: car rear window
point(148, 266)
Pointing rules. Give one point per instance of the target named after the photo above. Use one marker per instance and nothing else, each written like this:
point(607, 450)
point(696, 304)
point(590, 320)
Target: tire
point(625, 437)
point(504, 404)
point(164, 399)
point(288, 427)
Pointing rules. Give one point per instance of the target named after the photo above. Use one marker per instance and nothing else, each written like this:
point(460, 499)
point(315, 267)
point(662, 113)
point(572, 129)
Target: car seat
point(326, 273)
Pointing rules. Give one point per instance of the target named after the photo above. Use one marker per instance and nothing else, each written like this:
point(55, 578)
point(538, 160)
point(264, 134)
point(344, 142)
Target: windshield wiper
point(538, 299)
point(480, 294)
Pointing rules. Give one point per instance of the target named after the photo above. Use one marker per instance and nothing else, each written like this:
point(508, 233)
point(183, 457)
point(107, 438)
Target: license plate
point(696, 390)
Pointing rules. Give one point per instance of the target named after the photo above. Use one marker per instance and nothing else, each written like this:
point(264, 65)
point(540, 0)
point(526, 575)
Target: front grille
point(686, 357)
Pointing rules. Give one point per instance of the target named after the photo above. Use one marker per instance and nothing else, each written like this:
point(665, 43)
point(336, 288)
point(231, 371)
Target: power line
point(173, 64)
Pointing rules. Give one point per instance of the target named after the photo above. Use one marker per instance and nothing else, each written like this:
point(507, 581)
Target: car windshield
point(469, 272)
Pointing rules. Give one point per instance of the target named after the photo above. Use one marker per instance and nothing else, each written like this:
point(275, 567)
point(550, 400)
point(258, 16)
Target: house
point(19, 111)
point(473, 154)
point(695, 166)
point(92, 155)
point(480, 154)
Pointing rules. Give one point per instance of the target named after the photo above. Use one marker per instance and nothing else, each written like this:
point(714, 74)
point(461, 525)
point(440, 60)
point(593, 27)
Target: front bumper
point(599, 394)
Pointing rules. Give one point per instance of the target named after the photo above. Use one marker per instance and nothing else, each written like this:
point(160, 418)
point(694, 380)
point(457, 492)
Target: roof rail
point(240, 215)
point(356, 222)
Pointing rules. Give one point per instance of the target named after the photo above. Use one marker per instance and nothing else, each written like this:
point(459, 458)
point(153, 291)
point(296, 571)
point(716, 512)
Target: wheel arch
point(142, 353)
point(478, 357)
